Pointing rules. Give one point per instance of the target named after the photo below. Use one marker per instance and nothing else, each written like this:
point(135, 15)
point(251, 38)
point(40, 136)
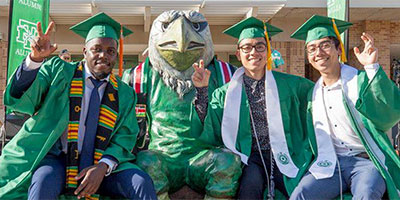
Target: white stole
point(324, 166)
point(230, 122)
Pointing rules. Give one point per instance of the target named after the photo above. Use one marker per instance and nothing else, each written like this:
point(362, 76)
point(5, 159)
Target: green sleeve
point(379, 100)
point(124, 139)
point(32, 98)
point(211, 134)
point(126, 76)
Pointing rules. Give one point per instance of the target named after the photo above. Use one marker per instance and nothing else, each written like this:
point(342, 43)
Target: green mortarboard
point(318, 27)
point(251, 28)
point(99, 26)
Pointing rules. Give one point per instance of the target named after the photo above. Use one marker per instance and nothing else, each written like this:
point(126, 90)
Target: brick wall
point(3, 65)
point(385, 33)
point(355, 41)
point(380, 30)
point(395, 32)
point(293, 55)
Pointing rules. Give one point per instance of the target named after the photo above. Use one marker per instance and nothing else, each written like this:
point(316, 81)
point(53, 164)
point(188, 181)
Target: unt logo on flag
point(26, 33)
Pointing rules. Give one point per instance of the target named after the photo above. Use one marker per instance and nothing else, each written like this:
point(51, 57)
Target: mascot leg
point(217, 171)
point(153, 163)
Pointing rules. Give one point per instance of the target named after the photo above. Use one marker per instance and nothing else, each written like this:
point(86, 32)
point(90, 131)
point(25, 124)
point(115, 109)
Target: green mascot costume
point(166, 94)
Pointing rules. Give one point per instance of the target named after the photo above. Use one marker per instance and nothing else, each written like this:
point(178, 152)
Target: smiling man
point(349, 112)
point(259, 115)
point(82, 128)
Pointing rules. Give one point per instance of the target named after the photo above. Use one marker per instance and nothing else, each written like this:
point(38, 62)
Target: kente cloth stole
point(107, 118)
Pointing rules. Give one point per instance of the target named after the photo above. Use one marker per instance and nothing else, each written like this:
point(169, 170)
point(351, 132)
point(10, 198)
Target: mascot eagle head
point(177, 40)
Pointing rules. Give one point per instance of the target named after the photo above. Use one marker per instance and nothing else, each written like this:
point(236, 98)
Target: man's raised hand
point(370, 53)
point(41, 46)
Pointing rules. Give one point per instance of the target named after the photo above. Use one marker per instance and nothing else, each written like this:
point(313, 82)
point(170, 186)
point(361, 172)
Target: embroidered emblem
point(77, 108)
point(283, 158)
point(76, 154)
point(111, 97)
point(101, 138)
point(324, 163)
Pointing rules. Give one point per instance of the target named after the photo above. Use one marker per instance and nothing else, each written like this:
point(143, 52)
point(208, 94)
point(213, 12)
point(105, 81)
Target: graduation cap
point(100, 26)
point(254, 28)
point(318, 27)
point(251, 28)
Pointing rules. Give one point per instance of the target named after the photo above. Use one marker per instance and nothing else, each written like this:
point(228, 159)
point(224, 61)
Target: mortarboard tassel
point(343, 58)
point(121, 53)
point(269, 57)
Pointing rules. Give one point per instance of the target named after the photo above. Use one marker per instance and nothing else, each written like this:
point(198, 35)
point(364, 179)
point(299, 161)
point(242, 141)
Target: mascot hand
point(201, 75)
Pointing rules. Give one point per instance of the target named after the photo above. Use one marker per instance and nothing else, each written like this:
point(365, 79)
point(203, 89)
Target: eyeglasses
point(325, 46)
point(247, 48)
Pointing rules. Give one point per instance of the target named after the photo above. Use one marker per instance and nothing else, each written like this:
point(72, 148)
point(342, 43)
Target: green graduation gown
point(378, 106)
point(292, 91)
point(47, 101)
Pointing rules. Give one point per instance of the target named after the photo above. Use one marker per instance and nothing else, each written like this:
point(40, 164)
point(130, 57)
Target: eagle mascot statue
point(166, 114)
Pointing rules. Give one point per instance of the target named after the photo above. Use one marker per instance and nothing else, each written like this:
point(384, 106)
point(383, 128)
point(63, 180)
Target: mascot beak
point(180, 36)
point(181, 45)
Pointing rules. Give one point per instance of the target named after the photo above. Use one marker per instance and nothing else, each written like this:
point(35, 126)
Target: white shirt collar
point(338, 83)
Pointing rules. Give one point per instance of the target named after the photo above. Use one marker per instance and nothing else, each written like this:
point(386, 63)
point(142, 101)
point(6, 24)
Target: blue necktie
point(91, 122)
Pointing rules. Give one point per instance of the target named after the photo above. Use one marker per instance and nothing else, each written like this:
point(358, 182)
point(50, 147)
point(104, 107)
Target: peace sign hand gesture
point(370, 52)
point(41, 46)
point(201, 75)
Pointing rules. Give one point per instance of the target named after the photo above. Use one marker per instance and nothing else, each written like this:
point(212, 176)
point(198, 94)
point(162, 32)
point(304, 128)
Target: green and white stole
point(107, 118)
point(230, 121)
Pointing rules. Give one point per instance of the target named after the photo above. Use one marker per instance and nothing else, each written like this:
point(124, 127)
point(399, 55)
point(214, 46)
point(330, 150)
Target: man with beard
point(349, 112)
point(82, 126)
point(166, 94)
point(259, 115)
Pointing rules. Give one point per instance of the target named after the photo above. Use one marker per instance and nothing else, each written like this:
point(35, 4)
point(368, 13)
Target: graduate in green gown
point(82, 128)
point(259, 115)
point(349, 113)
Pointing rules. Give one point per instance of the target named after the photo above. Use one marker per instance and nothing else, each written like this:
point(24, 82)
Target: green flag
point(24, 14)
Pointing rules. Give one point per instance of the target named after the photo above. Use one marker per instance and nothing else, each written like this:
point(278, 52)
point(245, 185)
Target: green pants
point(216, 171)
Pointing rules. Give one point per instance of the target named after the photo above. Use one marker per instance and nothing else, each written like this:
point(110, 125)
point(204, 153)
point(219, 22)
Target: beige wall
point(385, 33)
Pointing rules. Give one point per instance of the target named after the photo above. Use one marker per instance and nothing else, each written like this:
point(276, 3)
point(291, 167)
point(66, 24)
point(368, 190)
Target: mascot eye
point(196, 26)
point(164, 26)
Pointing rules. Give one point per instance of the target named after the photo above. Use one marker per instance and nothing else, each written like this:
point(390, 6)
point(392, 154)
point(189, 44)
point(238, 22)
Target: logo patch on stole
point(111, 96)
point(324, 163)
point(283, 158)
